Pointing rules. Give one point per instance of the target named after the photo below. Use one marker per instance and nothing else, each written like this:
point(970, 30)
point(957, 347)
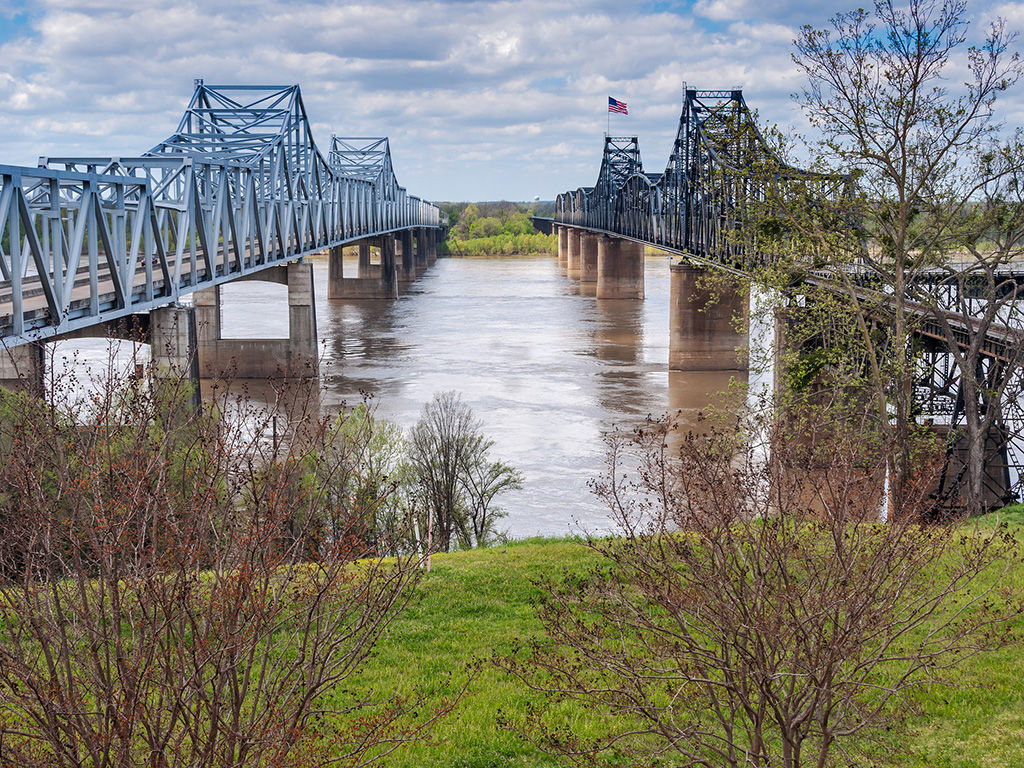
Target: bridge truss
point(721, 176)
point(239, 187)
point(719, 171)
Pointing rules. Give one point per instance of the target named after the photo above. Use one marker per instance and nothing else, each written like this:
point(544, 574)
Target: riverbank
point(500, 245)
point(476, 604)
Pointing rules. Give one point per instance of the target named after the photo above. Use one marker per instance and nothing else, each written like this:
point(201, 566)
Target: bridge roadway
point(239, 191)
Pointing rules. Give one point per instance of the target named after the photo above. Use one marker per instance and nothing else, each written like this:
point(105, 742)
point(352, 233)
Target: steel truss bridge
point(240, 187)
point(719, 170)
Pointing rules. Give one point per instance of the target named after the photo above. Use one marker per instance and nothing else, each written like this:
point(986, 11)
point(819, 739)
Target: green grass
point(978, 721)
point(470, 606)
point(476, 604)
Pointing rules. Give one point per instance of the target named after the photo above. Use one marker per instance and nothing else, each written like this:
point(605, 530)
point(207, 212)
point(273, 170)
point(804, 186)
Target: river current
point(548, 369)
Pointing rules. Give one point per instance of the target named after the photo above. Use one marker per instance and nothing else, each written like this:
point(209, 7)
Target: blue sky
point(481, 99)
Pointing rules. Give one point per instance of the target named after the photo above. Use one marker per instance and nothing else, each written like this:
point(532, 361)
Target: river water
point(547, 369)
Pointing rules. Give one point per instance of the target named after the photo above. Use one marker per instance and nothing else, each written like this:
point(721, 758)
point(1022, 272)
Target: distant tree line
point(495, 228)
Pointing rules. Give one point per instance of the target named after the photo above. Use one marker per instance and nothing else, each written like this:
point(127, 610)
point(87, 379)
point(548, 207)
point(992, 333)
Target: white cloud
point(482, 99)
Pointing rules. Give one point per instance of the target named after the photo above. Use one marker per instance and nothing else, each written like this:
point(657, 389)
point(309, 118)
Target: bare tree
point(171, 597)
point(483, 481)
point(449, 455)
point(936, 216)
point(752, 612)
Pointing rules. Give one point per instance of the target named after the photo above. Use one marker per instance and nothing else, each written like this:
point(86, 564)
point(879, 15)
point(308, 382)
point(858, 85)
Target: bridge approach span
point(721, 176)
point(239, 189)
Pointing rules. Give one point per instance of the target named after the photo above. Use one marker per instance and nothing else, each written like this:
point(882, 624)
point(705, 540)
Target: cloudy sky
point(482, 99)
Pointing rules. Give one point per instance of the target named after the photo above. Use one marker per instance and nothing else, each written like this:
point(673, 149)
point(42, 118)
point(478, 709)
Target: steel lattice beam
point(239, 187)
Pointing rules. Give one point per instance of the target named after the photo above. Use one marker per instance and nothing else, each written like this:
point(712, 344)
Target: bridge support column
point(373, 282)
point(408, 262)
point(421, 250)
point(702, 330)
point(588, 257)
point(620, 268)
point(563, 246)
point(431, 247)
point(388, 269)
point(23, 367)
point(302, 353)
point(364, 269)
point(573, 253)
point(294, 357)
point(335, 272)
point(174, 344)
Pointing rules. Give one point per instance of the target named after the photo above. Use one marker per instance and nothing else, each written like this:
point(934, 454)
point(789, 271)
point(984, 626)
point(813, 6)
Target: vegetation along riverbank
point(201, 587)
point(495, 229)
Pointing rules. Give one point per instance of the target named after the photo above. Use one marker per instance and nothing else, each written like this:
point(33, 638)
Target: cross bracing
point(239, 187)
point(697, 204)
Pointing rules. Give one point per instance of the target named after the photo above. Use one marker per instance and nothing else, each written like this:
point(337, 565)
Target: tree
point(170, 596)
point(753, 612)
point(371, 482)
point(937, 212)
point(449, 456)
point(482, 482)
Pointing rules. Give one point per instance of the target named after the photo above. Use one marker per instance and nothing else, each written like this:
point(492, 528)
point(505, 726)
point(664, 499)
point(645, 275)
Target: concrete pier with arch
point(403, 258)
point(171, 332)
point(294, 357)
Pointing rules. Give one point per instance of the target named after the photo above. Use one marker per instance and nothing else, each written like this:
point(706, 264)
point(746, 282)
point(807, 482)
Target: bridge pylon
point(703, 331)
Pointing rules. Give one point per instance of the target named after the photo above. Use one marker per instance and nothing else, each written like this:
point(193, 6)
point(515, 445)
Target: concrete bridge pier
point(335, 270)
point(373, 281)
point(563, 246)
point(364, 270)
point(23, 367)
point(421, 251)
point(174, 346)
point(404, 241)
point(702, 326)
point(388, 269)
point(294, 357)
point(431, 246)
point(588, 257)
point(620, 268)
point(572, 265)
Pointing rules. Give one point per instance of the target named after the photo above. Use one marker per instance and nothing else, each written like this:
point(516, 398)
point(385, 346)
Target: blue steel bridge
point(719, 170)
point(239, 191)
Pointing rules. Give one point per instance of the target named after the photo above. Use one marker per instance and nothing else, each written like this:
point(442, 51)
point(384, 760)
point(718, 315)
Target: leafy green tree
point(369, 491)
point(485, 227)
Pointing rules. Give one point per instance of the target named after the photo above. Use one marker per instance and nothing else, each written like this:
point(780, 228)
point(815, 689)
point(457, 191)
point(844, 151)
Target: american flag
point(619, 107)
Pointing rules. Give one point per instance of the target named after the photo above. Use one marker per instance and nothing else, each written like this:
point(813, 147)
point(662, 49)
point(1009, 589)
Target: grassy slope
point(476, 603)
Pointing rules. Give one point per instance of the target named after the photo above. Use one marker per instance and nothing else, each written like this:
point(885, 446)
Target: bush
point(755, 611)
point(171, 595)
